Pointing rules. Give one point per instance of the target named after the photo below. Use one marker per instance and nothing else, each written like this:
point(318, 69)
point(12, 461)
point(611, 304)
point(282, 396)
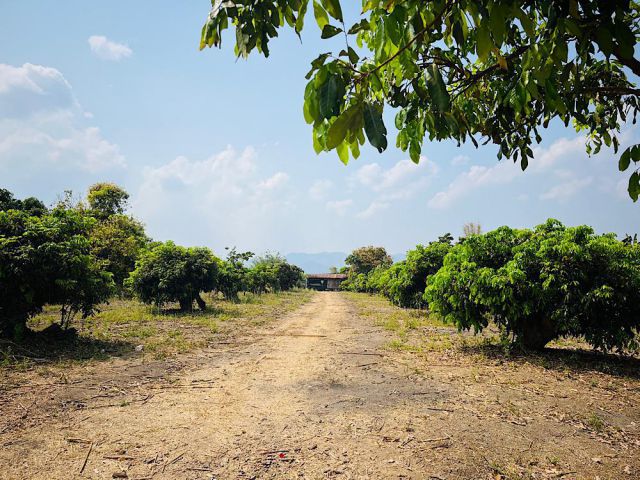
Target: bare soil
point(315, 394)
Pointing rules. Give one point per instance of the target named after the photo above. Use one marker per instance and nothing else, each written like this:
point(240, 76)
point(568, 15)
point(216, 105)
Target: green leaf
point(497, 22)
point(437, 89)
point(625, 160)
point(334, 8)
point(343, 152)
point(634, 186)
point(362, 25)
point(605, 40)
point(330, 31)
point(317, 146)
point(353, 56)
point(317, 63)
point(484, 44)
point(349, 121)
point(329, 96)
point(320, 13)
point(526, 22)
point(414, 152)
point(355, 149)
point(626, 40)
point(301, 14)
point(374, 127)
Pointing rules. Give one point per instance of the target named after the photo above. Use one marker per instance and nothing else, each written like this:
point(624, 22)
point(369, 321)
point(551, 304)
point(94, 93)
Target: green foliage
point(31, 206)
point(272, 273)
point(356, 282)
point(366, 267)
point(365, 259)
point(232, 277)
point(171, 273)
point(106, 199)
point(117, 242)
point(542, 284)
point(403, 283)
point(47, 260)
point(406, 283)
point(491, 71)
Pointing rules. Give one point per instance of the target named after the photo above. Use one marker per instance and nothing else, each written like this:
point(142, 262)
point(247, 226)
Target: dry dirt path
point(312, 396)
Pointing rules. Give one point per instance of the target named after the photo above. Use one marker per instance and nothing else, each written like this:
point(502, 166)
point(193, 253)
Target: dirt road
point(313, 396)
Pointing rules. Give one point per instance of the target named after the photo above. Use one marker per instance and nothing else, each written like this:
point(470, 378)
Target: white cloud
point(476, 177)
point(566, 190)
point(401, 181)
point(339, 207)
point(320, 189)
point(33, 90)
point(221, 175)
point(460, 160)
point(556, 160)
point(372, 209)
point(273, 182)
point(85, 149)
point(398, 176)
point(107, 49)
point(43, 127)
point(224, 200)
point(561, 150)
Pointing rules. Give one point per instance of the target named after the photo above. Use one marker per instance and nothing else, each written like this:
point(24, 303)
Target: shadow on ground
point(561, 359)
point(54, 344)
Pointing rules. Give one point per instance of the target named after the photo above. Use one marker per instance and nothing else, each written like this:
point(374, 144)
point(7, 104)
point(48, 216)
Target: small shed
point(325, 281)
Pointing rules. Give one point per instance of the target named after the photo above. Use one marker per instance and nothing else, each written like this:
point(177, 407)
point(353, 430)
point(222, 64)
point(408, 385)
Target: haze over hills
point(321, 262)
point(317, 262)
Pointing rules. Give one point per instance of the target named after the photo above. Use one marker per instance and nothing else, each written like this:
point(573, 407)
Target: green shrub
point(117, 242)
point(356, 282)
point(403, 282)
point(365, 259)
point(107, 199)
point(365, 268)
point(405, 287)
point(232, 277)
point(272, 273)
point(47, 260)
point(170, 273)
point(379, 279)
point(542, 284)
point(32, 206)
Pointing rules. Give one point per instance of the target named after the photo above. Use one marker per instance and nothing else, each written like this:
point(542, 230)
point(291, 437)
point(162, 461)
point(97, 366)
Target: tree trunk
point(186, 305)
point(537, 333)
point(200, 302)
point(14, 327)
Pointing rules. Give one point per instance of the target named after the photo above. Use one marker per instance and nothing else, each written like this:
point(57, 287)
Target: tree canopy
point(481, 71)
point(117, 242)
point(171, 273)
point(32, 206)
point(106, 199)
point(365, 259)
point(541, 284)
point(47, 260)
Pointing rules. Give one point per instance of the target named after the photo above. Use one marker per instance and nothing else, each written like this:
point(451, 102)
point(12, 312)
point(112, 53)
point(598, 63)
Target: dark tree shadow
point(196, 312)
point(54, 345)
point(561, 359)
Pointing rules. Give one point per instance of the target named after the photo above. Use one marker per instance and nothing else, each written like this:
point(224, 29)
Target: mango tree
point(481, 71)
point(47, 260)
point(171, 273)
point(542, 284)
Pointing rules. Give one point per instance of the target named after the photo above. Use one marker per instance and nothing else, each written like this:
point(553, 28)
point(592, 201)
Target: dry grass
point(122, 325)
point(536, 415)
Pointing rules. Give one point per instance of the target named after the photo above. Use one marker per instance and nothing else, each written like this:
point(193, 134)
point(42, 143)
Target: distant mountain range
point(321, 262)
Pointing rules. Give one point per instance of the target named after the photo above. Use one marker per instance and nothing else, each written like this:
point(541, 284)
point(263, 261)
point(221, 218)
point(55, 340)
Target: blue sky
point(214, 151)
